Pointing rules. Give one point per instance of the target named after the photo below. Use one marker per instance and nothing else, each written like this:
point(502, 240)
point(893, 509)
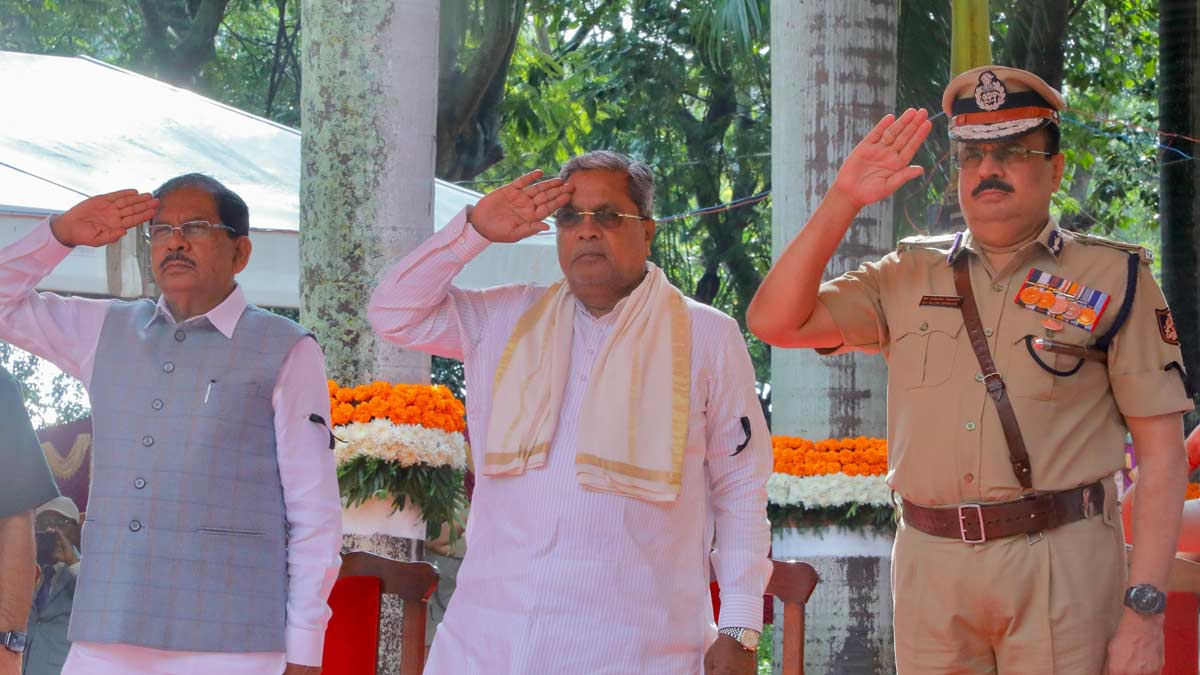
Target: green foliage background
point(683, 85)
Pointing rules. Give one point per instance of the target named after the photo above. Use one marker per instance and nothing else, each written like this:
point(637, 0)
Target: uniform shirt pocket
point(1024, 377)
point(924, 348)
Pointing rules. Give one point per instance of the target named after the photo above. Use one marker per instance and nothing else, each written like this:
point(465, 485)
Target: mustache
point(991, 184)
point(590, 250)
point(177, 256)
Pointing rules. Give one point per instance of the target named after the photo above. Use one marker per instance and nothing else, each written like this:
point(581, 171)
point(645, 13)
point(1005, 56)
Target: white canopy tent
point(74, 127)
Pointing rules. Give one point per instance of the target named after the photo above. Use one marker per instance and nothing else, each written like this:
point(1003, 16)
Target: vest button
point(168, 367)
point(180, 336)
point(139, 483)
point(147, 441)
point(157, 404)
point(135, 525)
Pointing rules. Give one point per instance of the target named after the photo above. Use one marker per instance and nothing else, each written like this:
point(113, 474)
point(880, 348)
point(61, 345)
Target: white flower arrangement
point(404, 444)
point(827, 491)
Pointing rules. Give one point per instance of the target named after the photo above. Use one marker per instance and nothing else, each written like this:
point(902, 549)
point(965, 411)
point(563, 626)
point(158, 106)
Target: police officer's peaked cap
point(989, 104)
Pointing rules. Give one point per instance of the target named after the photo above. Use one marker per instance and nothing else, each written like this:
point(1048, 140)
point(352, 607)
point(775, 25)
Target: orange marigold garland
point(833, 481)
point(401, 441)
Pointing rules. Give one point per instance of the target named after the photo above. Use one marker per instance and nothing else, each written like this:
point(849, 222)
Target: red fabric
point(768, 604)
point(1180, 630)
point(59, 441)
point(352, 639)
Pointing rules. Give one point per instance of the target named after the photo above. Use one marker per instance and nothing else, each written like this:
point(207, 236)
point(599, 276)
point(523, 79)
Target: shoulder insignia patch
point(1166, 326)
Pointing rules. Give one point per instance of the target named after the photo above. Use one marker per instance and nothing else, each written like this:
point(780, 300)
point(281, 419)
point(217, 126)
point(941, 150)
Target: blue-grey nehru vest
point(185, 544)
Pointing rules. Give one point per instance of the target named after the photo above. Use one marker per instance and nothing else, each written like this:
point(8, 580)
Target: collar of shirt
point(224, 317)
point(1050, 238)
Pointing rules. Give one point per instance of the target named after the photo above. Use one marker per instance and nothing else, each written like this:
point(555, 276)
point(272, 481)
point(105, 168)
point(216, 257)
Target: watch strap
point(13, 641)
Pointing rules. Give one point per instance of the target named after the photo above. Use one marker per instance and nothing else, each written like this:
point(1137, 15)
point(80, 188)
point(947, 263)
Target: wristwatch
point(1145, 599)
point(746, 637)
point(13, 641)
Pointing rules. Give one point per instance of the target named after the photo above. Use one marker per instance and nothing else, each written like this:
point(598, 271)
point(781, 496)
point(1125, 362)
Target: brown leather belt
point(977, 523)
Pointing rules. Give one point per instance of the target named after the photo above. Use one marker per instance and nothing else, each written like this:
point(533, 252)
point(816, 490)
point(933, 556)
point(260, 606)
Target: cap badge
point(990, 92)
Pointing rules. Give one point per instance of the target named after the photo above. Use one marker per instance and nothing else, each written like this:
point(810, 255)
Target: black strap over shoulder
point(1046, 367)
point(1103, 342)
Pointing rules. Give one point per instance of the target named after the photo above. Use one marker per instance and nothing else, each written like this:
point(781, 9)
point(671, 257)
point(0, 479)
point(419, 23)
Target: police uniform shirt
point(945, 442)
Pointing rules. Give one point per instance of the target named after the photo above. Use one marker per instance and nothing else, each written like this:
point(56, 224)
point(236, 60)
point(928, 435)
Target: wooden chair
point(793, 583)
point(350, 645)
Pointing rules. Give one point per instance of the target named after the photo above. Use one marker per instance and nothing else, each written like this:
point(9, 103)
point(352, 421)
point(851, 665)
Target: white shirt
point(559, 579)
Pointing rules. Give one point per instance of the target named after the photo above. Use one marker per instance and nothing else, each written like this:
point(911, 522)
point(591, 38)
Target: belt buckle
point(962, 523)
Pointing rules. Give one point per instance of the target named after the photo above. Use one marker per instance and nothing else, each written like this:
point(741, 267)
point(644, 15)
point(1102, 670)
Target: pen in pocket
point(208, 391)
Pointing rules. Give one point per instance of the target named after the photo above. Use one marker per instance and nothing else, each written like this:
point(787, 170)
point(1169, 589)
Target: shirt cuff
point(467, 243)
point(741, 611)
point(844, 315)
point(50, 251)
point(305, 647)
point(1152, 393)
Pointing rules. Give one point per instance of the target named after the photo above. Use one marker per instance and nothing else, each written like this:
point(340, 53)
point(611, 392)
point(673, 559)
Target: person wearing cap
point(1019, 355)
point(214, 522)
point(27, 484)
point(54, 595)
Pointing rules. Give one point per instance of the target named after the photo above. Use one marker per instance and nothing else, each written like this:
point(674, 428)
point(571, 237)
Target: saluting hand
point(879, 164)
point(103, 219)
point(515, 211)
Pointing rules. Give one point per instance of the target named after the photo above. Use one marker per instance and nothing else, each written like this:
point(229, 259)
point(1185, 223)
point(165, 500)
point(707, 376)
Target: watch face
point(750, 639)
point(1146, 599)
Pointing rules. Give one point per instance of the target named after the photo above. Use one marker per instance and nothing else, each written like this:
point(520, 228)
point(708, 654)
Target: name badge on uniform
point(1062, 299)
point(941, 301)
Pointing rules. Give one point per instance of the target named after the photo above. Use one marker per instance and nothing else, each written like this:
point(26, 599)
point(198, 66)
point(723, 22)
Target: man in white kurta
point(560, 578)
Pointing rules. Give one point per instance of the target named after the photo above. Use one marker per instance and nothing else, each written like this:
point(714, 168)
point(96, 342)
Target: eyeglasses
point(971, 156)
point(192, 230)
point(567, 218)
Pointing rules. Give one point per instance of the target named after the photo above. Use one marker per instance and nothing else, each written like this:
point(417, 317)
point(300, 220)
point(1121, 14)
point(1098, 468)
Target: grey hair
point(641, 178)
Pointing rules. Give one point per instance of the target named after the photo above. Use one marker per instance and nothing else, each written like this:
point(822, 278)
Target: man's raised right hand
point(879, 164)
point(103, 219)
point(515, 211)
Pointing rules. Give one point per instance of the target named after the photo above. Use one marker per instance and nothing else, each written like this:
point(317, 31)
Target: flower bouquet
point(830, 482)
point(401, 441)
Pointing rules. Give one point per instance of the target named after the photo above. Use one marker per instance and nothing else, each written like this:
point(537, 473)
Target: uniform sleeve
point(1144, 382)
point(854, 300)
point(28, 482)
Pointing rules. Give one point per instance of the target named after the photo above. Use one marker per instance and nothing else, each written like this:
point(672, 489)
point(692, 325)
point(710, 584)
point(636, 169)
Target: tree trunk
point(369, 117)
point(472, 92)
point(1179, 177)
point(1035, 38)
point(970, 35)
point(826, 95)
point(368, 103)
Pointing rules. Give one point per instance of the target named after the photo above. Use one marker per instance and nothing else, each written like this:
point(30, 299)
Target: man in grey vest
point(214, 524)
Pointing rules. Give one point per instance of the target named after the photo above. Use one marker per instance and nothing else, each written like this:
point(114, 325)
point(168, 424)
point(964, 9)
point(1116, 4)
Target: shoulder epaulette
point(1146, 254)
point(937, 241)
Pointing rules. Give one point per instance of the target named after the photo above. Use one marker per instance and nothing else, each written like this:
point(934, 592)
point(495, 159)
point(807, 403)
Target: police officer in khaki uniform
point(1019, 355)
